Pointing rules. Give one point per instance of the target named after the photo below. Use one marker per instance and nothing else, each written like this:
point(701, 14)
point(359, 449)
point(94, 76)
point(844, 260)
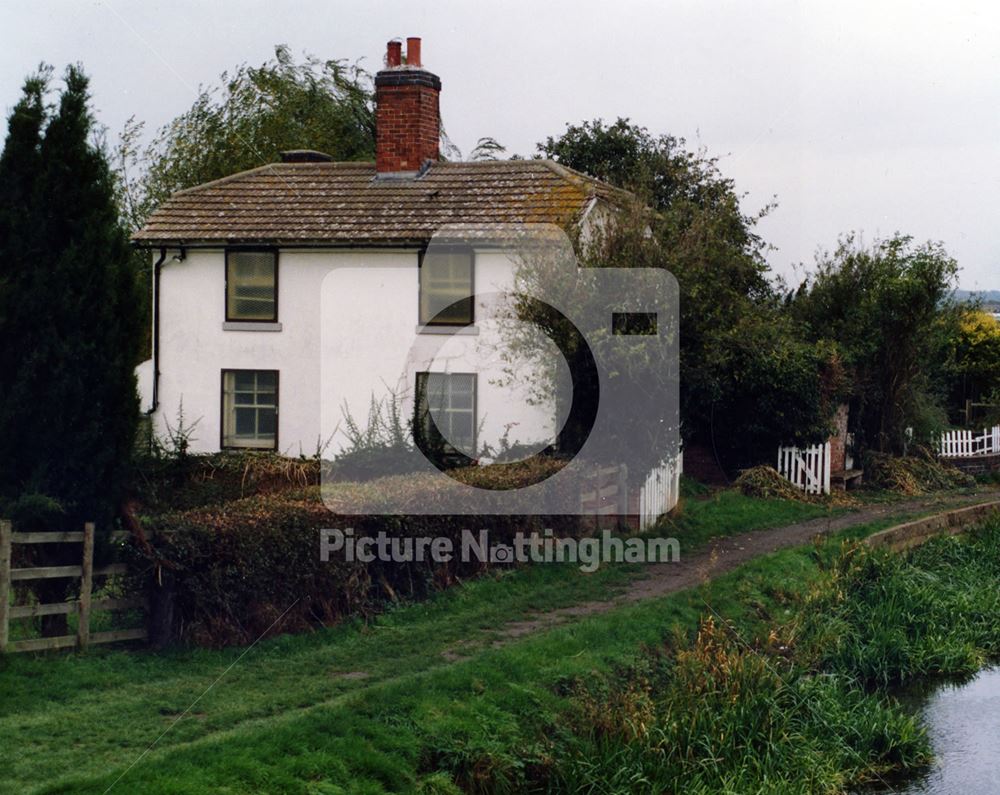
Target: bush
point(165, 483)
point(237, 567)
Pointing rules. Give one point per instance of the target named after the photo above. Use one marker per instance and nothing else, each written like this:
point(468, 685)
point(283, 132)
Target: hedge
point(231, 570)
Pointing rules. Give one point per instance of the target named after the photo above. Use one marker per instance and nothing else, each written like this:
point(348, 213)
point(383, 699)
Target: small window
point(250, 409)
point(453, 423)
point(251, 285)
point(446, 287)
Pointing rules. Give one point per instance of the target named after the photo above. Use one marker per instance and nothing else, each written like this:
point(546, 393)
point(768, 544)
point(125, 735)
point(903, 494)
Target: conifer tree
point(68, 312)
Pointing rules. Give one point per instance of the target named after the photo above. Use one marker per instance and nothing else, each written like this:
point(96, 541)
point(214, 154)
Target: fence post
point(5, 532)
point(827, 463)
point(86, 584)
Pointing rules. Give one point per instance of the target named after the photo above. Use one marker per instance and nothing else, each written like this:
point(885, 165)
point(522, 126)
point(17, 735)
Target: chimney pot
point(413, 51)
point(393, 54)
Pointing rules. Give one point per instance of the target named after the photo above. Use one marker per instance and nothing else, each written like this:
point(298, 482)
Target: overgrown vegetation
point(721, 714)
point(889, 619)
point(914, 474)
point(888, 307)
point(749, 379)
point(419, 699)
point(237, 539)
point(765, 481)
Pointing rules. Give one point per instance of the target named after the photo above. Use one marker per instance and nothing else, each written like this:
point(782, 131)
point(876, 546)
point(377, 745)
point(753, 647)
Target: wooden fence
point(660, 492)
point(969, 444)
point(807, 469)
point(605, 494)
point(82, 607)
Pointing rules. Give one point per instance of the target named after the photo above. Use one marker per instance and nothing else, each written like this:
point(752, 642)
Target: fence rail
point(807, 468)
point(605, 494)
point(660, 492)
point(82, 607)
point(969, 444)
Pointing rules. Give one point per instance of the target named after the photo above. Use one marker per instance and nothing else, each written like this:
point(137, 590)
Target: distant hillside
point(986, 296)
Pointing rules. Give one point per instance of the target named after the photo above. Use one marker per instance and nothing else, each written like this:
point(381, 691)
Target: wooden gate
point(83, 606)
point(808, 469)
point(968, 444)
point(605, 494)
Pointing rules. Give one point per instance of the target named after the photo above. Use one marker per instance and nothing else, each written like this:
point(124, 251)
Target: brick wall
point(979, 465)
point(838, 441)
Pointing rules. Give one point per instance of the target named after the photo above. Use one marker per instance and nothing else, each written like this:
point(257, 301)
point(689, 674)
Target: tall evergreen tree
point(68, 315)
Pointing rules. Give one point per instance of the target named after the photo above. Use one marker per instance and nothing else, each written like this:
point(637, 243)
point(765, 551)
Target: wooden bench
point(846, 479)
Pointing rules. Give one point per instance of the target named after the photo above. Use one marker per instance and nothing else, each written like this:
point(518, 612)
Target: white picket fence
point(660, 492)
point(967, 444)
point(807, 469)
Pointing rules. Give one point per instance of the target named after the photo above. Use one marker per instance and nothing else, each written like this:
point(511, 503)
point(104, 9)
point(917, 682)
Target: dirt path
point(725, 554)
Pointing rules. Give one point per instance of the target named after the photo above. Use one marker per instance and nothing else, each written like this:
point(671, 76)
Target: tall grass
point(719, 716)
point(887, 619)
point(775, 694)
point(802, 707)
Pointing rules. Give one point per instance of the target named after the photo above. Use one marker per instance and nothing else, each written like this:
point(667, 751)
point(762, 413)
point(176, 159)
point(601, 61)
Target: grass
point(411, 702)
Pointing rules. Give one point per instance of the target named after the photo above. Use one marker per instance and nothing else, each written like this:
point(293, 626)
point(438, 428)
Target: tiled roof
point(345, 203)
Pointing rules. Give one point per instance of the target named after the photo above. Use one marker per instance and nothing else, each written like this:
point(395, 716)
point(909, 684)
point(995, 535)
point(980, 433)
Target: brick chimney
point(407, 118)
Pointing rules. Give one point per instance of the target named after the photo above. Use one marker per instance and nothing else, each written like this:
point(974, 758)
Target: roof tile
point(345, 203)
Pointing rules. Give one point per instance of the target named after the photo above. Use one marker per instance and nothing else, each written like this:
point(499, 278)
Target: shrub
point(175, 483)
point(237, 567)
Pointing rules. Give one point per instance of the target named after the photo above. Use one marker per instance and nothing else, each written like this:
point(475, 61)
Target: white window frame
point(446, 412)
point(229, 439)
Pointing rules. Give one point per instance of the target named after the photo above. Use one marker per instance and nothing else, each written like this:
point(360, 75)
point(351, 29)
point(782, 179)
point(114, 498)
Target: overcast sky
point(872, 116)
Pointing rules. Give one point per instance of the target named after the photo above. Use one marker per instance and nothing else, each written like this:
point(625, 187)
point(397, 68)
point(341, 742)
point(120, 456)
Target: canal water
point(963, 721)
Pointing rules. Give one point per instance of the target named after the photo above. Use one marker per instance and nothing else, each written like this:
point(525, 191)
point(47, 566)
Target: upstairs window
point(446, 287)
point(252, 285)
point(250, 409)
point(452, 397)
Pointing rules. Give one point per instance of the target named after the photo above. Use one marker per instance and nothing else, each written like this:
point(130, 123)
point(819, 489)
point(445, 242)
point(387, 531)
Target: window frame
point(222, 407)
point(251, 250)
point(475, 407)
point(472, 288)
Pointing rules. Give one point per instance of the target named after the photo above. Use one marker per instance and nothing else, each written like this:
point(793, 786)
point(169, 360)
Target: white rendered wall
point(349, 323)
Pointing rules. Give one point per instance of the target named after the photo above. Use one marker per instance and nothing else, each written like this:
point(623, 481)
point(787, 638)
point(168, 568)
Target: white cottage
point(288, 292)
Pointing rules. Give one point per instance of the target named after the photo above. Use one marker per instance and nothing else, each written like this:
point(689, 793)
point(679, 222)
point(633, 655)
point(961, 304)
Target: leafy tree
point(888, 307)
point(974, 358)
point(68, 405)
point(246, 121)
point(739, 353)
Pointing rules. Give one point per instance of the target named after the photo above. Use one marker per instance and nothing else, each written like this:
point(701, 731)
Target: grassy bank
point(736, 685)
point(786, 691)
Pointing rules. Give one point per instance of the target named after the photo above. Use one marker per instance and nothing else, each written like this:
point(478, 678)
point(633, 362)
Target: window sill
point(467, 330)
point(230, 325)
